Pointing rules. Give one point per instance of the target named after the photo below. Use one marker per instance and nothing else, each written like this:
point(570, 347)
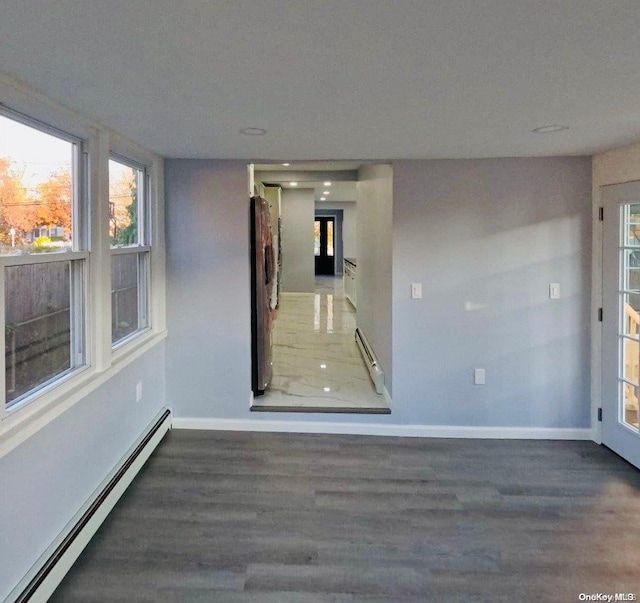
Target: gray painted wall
point(208, 280)
point(485, 238)
point(297, 241)
point(374, 268)
point(47, 478)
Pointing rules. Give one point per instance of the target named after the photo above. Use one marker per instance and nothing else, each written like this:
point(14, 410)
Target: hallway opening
point(320, 213)
point(317, 366)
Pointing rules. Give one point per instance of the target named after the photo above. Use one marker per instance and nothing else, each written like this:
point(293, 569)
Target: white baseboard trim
point(379, 429)
point(44, 577)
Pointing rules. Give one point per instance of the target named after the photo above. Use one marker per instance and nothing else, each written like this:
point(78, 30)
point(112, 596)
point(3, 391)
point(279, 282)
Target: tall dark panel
point(262, 275)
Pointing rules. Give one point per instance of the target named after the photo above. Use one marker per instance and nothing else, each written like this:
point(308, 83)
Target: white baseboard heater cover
point(376, 373)
point(39, 584)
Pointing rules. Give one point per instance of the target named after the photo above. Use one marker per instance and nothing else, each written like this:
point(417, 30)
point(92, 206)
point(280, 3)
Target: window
point(42, 256)
point(130, 251)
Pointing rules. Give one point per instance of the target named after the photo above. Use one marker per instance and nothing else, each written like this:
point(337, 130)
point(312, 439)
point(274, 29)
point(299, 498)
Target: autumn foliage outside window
point(36, 190)
point(124, 185)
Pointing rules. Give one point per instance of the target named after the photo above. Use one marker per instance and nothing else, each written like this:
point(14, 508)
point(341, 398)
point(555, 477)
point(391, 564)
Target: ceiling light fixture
point(293, 184)
point(325, 192)
point(323, 198)
point(327, 183)
point(286, 164)
point(253, 131)
point(550, 129)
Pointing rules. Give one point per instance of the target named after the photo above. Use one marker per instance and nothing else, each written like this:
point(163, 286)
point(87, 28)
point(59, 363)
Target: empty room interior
point(320, 301)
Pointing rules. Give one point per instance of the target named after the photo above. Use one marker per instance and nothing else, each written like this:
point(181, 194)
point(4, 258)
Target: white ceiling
point(339, 192)
point(338, 79)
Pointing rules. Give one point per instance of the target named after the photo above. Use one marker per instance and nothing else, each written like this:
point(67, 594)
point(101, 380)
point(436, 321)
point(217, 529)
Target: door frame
point(324, 220)
point(607, 202)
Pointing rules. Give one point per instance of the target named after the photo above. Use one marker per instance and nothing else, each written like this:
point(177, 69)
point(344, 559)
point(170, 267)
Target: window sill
point(21, 423)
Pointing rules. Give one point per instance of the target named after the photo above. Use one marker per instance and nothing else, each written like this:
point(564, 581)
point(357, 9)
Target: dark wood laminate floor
point(279, 518)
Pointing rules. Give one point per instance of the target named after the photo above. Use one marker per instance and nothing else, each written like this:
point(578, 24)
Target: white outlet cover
point(478, 376)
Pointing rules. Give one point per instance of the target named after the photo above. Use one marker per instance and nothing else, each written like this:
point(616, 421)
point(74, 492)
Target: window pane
point(36, 190)
point(125, 186)
point(38, 325)
point(632, 226)
point(630, 313)
point(631, 274)
point(330, 238)
point(124, 295)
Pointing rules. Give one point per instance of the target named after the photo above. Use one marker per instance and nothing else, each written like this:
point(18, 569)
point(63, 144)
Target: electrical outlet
point(138, 391)
point(478, 376)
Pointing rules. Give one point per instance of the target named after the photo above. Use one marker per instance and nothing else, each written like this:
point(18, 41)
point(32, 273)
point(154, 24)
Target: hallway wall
point(297, 240)
point(208, 299)
point(374, 237)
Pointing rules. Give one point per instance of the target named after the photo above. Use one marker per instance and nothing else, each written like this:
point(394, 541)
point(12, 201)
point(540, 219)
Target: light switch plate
point(554, 290)
point(416, 290)
point(478, 376)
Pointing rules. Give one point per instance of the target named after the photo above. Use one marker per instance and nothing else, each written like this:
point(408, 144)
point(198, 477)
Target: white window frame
point(142, 249)
point(102, 362)
point(77, 258)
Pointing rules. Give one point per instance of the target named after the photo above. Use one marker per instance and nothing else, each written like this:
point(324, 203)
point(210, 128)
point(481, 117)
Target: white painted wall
point(298, 267)
point(374, 256)
point(485, 238)
point(51, 475)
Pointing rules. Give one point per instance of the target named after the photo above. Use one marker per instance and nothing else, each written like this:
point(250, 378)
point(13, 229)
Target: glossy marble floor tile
point(317, 366)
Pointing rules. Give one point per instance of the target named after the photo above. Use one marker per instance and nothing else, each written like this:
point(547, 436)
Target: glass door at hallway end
point(323, 245)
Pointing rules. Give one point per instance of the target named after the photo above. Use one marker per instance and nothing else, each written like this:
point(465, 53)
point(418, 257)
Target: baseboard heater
point(376, 373)
point(39, 584)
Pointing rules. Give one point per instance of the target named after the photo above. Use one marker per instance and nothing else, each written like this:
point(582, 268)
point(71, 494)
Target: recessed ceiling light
point(327, 183)
point(325, 192)
point(323, 366)
point(327, 389)
point(286, 164)
point(293, 184)
point(323, 198)
point(253, 131)
point(550, 129)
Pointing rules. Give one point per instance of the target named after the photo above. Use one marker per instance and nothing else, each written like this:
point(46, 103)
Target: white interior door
point(621, 320)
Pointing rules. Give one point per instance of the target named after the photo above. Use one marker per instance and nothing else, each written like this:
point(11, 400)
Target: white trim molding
point(50, 569)
point(379, 429)
point(387, 395)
